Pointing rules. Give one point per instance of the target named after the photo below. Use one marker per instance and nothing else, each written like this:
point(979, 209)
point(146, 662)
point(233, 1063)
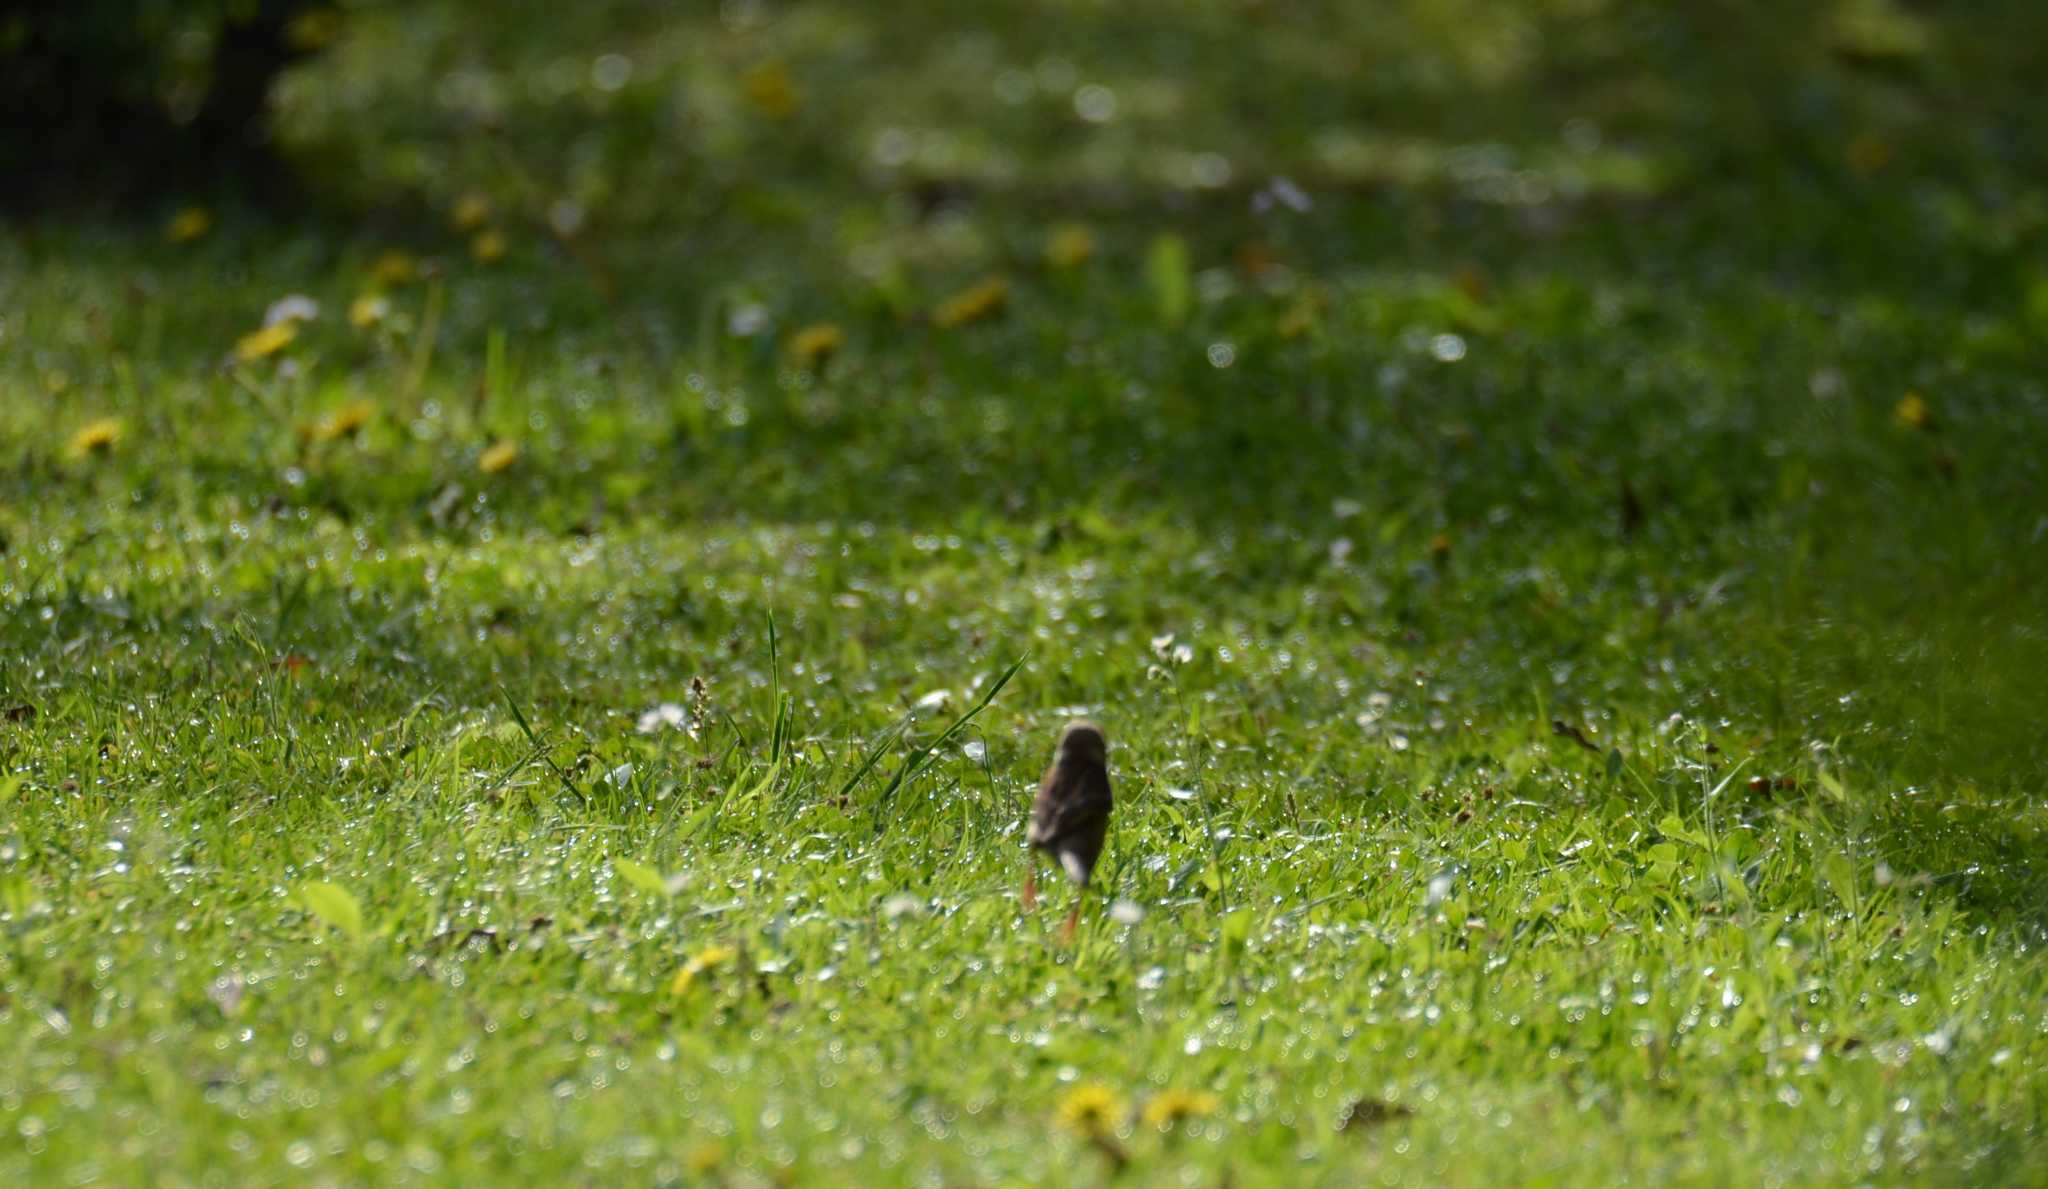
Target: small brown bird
point(1070, 815)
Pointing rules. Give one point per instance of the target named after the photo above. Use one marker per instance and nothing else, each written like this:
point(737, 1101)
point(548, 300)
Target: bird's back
point(1072, 805)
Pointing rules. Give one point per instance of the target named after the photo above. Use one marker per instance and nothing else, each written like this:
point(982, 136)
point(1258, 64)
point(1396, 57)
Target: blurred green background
point(836, 117)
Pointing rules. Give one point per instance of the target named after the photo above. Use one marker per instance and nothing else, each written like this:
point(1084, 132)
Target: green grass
point(331, 849)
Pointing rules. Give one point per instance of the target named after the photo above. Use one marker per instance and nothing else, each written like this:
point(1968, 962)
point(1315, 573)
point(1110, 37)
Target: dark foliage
point(114, 101)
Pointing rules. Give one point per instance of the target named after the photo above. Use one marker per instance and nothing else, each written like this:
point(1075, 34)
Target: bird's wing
point(1070, 808)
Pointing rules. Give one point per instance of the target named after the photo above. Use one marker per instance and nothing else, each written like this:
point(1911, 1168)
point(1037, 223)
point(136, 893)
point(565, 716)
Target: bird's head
point(1083, 741)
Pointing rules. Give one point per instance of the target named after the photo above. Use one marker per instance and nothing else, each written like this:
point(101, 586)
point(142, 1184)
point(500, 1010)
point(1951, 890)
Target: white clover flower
point(295, 307)
point(667, 716)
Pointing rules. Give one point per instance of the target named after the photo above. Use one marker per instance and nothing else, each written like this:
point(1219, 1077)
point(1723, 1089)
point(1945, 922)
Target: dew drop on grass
point(1095, 103)
point(1013, 86)
point(1209, 170)
point(611, 72)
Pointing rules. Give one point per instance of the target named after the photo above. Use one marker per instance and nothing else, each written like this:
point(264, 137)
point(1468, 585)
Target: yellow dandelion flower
point(1069, 246)
point(1171, 1106)
point(771, 90)
point(189, 224)
point(392, 269)
point(470, 212)
point(368, 310)
point(500, 455)
point(1299, 319)
point(261, 344)
point(344, 422)
point(707, 959)
point(1913, 411)
point(97, 437)
point(1091, 1109)
point(813, 345)
point(983, 299)
point(56, 382)
point(489, 246)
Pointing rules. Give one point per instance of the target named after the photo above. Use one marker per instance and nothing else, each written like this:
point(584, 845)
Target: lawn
point(1561, 574)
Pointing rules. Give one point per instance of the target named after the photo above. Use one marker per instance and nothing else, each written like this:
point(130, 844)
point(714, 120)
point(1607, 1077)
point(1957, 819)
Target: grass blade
point(918, 758)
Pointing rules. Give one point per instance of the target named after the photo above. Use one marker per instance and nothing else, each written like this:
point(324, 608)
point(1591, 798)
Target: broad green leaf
point(17, 896)
point(335, 905)
point(1841, 877)
point(767, 778)
point(641, 876)
point(1168, 274)
point(1731, 883)
point(2037, 300)
point(698, 817)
